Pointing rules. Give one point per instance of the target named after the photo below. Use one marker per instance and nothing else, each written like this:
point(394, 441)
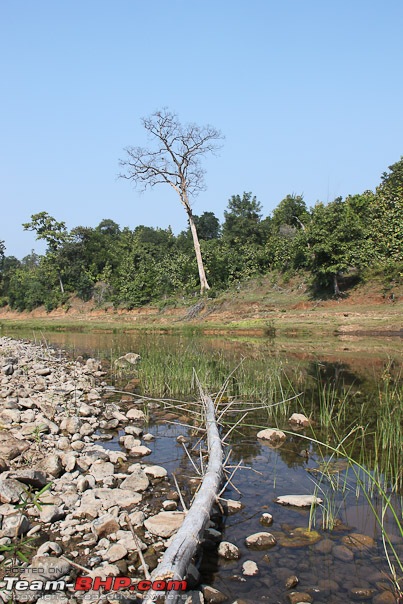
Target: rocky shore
point(81, 508)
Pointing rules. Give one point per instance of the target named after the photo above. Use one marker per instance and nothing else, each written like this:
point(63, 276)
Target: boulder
point(260, 540)
point(229, 551)
point(137, 481)
point(164, 524)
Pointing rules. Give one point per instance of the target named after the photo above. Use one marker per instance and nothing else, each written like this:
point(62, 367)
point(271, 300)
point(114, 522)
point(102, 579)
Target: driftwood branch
point(177, 557)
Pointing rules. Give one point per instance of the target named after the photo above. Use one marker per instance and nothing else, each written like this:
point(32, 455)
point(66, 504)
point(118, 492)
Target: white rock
point(155, 472)
point(260, 540)
point(164, 524)
point(228, 550)
point(274, 437)
point(136, 415)
point(300, 501)
point(140, 451)
point(300, 420)
point(250, 568)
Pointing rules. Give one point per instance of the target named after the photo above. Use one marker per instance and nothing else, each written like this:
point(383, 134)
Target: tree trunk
point(61, 283)
point(337, 291)
point(204, 286)
point(177, 557)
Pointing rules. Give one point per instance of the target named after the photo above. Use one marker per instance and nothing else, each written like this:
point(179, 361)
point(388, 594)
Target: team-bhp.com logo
point(95, 584)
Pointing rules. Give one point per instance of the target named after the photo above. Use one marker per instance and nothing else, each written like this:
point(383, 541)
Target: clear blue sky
point(308, 94)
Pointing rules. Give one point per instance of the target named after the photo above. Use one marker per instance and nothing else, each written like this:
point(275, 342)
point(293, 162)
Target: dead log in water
point(177, 557)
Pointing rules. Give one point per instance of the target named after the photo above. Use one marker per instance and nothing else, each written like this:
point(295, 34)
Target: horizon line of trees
point(132, 268)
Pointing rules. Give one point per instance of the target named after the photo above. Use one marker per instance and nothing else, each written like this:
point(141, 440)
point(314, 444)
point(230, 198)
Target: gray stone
point(101, 469)
point(52, 513)
point(212, 595)
point(105, 525)
point(137, 481)
point(34, 478)
point(14, 525)
point(10, 490)
point(71, 424)
point(136, 415)
point(164, 524)
point(124, 498)
point(155, 472)
point(140, 451)
point(341, 552)
point(116, 552)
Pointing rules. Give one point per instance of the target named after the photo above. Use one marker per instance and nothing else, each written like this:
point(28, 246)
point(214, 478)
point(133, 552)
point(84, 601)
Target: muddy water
point(328, 571)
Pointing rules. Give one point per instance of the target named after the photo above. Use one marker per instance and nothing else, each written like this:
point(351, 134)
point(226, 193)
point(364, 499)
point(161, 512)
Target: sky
point(307, 94)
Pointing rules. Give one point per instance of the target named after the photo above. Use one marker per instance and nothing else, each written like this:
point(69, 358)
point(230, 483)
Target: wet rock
point(361, 593)
point(296, 597)
point(299, 537)
point(385, 597)
point(328, 585)
point(105, 525)
point(266, 519)
point(273, 437)
point(232, 507)
point(300, 501)
point(343, 553)
point(169, 505)
point(291, 582)
point(164, 524)
point(250, 568)
point(134, 430)
point(229, 551)
point(324, 547)
point(358, 541)
point(129, 441)
point(260, 540)
point(148, 437)
point(155, 472)
point(212, 595)
point(300, 420)
point(10, 490)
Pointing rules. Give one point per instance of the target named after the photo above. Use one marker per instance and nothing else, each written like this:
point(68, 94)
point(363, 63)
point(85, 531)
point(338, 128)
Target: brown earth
point(259, 306)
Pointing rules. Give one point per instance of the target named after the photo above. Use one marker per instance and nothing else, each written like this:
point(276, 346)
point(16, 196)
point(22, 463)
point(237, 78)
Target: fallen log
point(177, 557)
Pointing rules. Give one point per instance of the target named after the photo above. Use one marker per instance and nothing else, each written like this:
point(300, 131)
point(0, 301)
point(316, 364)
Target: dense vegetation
point(130, 268)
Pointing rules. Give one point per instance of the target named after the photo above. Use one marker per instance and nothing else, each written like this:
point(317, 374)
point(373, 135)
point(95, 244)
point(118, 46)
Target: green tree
point(291, 212)
point(242, 220)
point(175, 161)
point(387, 215)
point(208, 226)
point(54, 233)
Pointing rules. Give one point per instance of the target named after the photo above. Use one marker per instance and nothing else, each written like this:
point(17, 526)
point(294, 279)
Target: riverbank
point(68, 502)
point(257, 308)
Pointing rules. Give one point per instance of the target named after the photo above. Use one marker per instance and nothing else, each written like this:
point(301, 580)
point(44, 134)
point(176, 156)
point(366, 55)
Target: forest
point(353, 237)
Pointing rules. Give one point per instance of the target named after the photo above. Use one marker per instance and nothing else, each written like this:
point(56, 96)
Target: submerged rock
point(299, 537)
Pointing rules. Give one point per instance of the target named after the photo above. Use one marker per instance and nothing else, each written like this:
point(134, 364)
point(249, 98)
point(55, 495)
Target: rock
point(10, 416)
point(43, 372)
point(8, 369)
point(101, 469)
point(137, 481)
point(52, 513)
point(232, 507)
point(92, 365)
point(164, 524)
point(104, 525)
point(128, 441)
point(229, 551)
point(148, 437)
point(130, 358)
point(49, 546)
point(71, 424)
point(169, 505)
point(250, 568)
point(324, 547)
point(117, 551)
point(300, 420)
point(358, 541)
point(299, 537)
point(10, 490)
point(124, 498)
point(300, 501)
point(63, 443)
point(14, 525)
point(266, 519)
point(385, 597)
point(11, 447)
point(134, 430)
point(155, 472)
point(291, 582)
point(343, 553)
point(194, 597)
point(34, 478)
point(136, 415)
point(140, 451)
point(212, 595)
point(296, 597)
point(260, 540)
point(85, 410)
point(48, 567)
point(273, 437)
point(362, 593)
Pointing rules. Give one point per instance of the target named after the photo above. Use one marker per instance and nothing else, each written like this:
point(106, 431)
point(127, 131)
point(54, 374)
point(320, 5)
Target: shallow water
point(274, 472)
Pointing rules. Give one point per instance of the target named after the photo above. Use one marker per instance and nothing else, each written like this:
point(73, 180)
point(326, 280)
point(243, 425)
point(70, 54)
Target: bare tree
point(175, 161)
